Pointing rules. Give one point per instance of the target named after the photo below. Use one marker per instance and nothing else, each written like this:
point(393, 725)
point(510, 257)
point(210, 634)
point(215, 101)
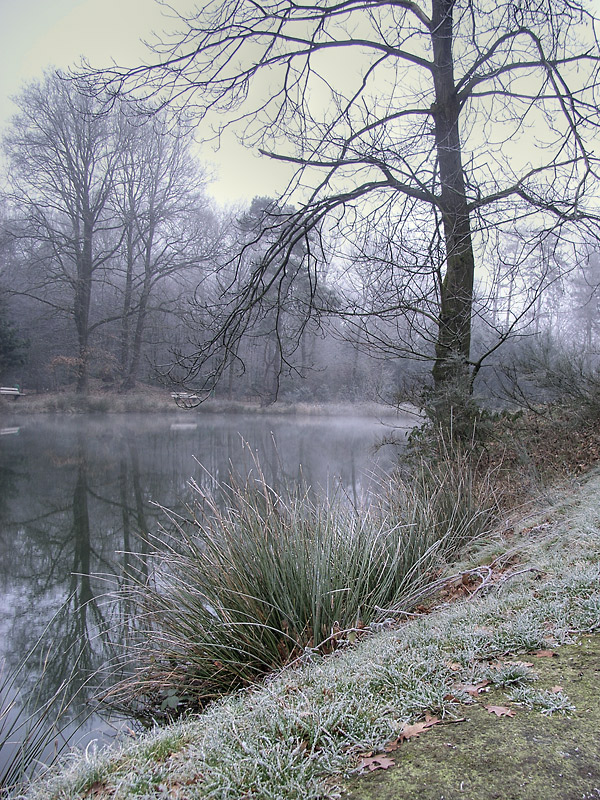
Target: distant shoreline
point(150, 400)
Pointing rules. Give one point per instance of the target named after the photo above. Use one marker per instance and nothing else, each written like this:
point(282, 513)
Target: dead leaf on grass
point(97, 790)
point(500, 711)
point(557, 689)
point(453, 698)
point(413, 731)
point(544, 654)
point(376, 762)
point(474, 689)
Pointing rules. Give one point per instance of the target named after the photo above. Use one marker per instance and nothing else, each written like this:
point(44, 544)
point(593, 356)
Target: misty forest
point(438, 234)
point(366, 373)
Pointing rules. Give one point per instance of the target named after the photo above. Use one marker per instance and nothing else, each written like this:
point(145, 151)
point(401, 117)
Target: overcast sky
point(37, 34)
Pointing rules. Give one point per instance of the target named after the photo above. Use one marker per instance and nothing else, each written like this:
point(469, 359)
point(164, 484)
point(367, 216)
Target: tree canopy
point(424, 134)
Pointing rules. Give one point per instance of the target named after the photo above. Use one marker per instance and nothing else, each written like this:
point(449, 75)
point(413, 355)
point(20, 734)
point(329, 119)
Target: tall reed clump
point(35, 721)
point(248, 585)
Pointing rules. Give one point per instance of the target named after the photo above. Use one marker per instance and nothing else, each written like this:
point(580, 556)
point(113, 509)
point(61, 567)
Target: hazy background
point(36, 35)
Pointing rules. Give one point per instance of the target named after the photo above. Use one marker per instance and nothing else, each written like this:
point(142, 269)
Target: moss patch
point(528, 756)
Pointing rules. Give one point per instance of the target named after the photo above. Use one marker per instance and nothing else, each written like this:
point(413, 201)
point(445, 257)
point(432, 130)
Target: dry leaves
point(474, 689)
point(379, 761)
point(500, 711)
point(412, 732)
point(98, 790)
point(372, 761)
point(545, 654)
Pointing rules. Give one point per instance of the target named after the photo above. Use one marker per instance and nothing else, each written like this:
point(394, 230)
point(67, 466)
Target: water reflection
point(78, 497)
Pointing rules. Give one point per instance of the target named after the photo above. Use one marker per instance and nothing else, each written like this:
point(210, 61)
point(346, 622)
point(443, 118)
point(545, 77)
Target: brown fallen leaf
point(454, 666)
point(544, 654)
point(452, 698)
point(413, 731)
point(500, 711)
point(376, 762)
point(474, 689)
point(97, 790)
point(557, 689)
point(519, 663)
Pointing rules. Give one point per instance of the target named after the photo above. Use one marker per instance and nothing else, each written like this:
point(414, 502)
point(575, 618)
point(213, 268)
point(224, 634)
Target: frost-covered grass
point(298, 734)
point(547, 702)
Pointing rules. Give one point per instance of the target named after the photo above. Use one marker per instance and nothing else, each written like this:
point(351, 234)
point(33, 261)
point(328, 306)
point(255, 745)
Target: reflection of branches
point(29, 726)
point(85, 628)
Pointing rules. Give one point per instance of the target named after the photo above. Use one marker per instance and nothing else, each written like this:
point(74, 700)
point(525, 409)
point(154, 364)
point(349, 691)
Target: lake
point(76, 493)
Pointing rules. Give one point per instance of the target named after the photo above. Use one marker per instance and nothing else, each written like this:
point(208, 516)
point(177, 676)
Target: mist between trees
point(439, 231)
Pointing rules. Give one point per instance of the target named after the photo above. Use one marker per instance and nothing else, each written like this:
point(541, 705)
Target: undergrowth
point(270, 577)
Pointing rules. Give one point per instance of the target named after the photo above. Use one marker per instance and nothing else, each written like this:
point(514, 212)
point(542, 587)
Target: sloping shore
point(311, 731)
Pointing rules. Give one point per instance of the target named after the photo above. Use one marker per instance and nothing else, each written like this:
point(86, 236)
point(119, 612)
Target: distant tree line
point(105, 224)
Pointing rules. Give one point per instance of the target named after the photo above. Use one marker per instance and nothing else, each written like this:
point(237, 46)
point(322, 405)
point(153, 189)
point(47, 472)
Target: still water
point(76, 493)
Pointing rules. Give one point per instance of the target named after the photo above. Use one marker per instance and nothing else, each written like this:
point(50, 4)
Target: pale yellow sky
point(37, 34)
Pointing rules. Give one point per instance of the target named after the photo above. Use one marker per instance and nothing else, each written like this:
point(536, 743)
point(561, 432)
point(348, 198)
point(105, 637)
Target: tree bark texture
point(456, 291)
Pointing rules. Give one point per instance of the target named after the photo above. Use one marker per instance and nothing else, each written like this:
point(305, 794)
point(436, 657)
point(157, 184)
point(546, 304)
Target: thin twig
point(441, 583)
point(505, 578)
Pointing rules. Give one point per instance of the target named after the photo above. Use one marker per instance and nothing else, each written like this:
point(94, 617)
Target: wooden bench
point(186, 399)
point(10, 391)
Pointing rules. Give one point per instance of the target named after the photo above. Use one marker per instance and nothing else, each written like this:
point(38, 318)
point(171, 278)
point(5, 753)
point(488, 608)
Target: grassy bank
point(154, 400)
point(305, 732)
point(241, 588)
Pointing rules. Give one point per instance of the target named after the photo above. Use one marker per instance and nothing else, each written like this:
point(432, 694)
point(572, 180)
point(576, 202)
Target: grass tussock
point(269, 578)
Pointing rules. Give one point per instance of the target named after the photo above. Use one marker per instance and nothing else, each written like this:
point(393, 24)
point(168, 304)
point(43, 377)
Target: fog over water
point(76, 493)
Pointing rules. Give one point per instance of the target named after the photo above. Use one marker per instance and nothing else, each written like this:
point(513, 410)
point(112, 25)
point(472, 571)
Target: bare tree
point(167, 225)
point(451, 117)
point(585, 304)
point(62, 152)
point(107, 208)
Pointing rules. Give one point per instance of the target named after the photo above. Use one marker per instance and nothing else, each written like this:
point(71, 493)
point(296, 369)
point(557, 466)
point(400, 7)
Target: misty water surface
point(75, 494)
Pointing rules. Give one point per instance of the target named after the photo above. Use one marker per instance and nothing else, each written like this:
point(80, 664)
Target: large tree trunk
point(456, 292)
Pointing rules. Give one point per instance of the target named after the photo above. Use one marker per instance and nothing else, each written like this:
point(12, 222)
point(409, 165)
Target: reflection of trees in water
point(86, 526)
point(9, 479)
point(80, 512)
point(321, 454)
